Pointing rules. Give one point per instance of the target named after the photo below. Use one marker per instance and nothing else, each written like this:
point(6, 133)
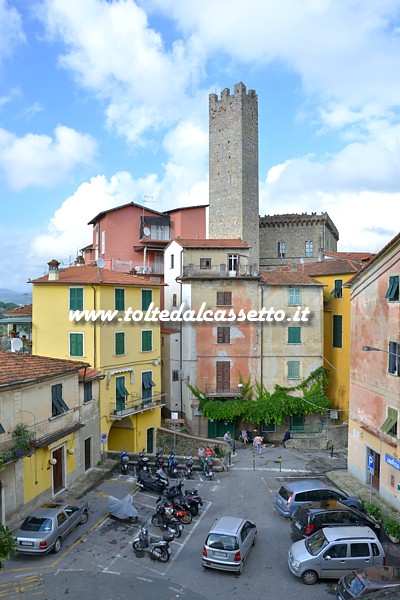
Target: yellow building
point(126, 351)
point(334, 273)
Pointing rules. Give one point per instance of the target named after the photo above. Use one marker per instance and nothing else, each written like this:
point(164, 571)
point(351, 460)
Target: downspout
point(180, 338)
point(94, 329)
point(262, 340)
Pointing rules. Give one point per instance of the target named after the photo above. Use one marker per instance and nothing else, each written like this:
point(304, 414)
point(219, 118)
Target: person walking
point(258, 443)
point(244, 436)
point(285, 438)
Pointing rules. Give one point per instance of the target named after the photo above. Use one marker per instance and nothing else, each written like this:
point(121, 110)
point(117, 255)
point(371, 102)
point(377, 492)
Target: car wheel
point(240, 570)
point(57, 545)
point(84, 518)
point(309, 577)
point(254, 541)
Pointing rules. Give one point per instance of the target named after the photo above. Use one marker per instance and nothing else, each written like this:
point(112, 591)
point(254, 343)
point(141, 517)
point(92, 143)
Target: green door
point(217, 429)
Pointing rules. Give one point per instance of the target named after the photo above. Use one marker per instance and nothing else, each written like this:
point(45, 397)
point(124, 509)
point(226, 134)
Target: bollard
point(254, 458)
point(280, 463)
point(230, 458)
point(332, 451)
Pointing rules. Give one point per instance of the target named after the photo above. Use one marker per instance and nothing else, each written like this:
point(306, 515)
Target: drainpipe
point(94, 330)
point(2, 503)
point(180, 337)
point(262, 340)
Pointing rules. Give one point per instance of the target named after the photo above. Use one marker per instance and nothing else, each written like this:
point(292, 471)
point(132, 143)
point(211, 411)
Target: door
point(88, 457)
point(217, 429)
point(58, 470)
point(360, 556)
point(223, 376)
point(377, 468)
point(334, 561)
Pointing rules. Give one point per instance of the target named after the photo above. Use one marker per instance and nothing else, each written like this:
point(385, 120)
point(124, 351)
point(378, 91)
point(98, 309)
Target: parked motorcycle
point(123, 510)
point(124, 463)
point(153, 483)
point(176, 509)
point(208, 467)
point(159, 462)
point(143, 463)
point(173, 466)
point(190, 497)
point(156, 548)
point(167, 522)
point(189, 467)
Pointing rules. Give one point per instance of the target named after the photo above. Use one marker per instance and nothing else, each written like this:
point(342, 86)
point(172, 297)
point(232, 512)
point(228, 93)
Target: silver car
point(229, 543)
point(46, 528)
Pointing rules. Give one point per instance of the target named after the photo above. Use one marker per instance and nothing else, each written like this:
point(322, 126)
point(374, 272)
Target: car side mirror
point(327, 557)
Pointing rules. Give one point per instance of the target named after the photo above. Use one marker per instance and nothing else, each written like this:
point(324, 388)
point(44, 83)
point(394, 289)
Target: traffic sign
point(371, 463)
point(104, 437)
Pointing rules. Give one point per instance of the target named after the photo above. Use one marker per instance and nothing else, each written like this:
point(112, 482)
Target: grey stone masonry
point(233, 165)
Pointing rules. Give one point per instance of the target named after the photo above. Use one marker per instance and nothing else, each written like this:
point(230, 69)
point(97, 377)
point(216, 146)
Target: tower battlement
point(239, 91)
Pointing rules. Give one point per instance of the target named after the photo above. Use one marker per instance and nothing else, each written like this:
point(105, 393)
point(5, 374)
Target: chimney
point(80, 261)
point(53, 270)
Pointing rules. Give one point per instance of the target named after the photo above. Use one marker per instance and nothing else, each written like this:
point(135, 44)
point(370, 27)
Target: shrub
point(373, 509)
point(392, 527)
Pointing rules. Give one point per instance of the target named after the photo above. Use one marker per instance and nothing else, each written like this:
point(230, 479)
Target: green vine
point(256, 404)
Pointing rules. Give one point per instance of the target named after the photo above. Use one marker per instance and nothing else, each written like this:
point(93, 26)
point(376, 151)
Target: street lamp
point(369, 348)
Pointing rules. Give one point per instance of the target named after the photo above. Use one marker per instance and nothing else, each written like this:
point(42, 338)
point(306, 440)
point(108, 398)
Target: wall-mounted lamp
point(52, 461)
point(156, 362)
point(71, 451)
point(240, 385)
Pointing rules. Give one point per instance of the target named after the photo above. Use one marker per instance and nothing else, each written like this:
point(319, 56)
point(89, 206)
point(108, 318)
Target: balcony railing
point(192, 270)
point(5, 346)
point(213, 392)
point(136, 405)
point(137, 266)
point(158, 233)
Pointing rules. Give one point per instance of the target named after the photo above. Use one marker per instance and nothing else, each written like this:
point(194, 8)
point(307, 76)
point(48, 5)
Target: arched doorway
point(122, 436)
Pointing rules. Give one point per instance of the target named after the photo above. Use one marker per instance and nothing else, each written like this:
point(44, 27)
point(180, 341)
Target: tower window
point(309, 249)
point(281, 249)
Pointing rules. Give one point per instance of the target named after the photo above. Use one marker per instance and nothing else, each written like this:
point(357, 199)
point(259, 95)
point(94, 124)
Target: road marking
point(273, 469)
point(215, 488)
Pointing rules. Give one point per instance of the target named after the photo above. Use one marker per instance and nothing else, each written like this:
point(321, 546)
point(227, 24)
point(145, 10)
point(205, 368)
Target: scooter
point(154, 483)
point(208, 467)
point(143, 463)
point(172, 466)
point(156, 548)
point(167, 522)
point(124, 463)
point(159, 462)
point(189, 467)
point(190, 497)
point(122, 510)
point(176, 509)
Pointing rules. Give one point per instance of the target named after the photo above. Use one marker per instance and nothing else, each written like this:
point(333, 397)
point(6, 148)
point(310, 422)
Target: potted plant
point(392, 528)
point(373, 510)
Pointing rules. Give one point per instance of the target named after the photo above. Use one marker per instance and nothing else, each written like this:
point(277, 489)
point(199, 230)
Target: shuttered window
point(223, 376)
point(76, 344)
point(223, 335)
point(293, 369)
point(393, 290)
point(224, 298)
point(294, 296)
point(147, 341)
point(394, 359)
point(58, 406)
point(294, 335)
point(147, 298)
point(119, 299)
point(119, 343)
point(75, 298)
point(337, 331)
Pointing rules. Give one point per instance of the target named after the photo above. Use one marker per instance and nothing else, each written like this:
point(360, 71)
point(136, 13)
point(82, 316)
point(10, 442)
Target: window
point(393, 290)
point(119, 299)
point(294, 335)
point(76, 344)
point(87, 392)
point(58, 406)
point(147, 298)
point(281, 249)
point(337, 291)
point(309, 249)
point(103, 242)
point(147, 340)
point(297, 423)
point(175, 375)
point(339, 551)
point(172, 261)
point(120, 393)
point(75, 298)
point(394, 359)
point(223, 376)
point(205, 263)
point(61, 518)
point(359, 550)
point(337, 331)
point(293, 369)
point(271, 427)
point(119, 343)
point(96, 234)
point(223, 335)
point(174, 300)
point(224, 298)
point(294, 296)
point(147, 385)
point(233, 262)
point(390, 425)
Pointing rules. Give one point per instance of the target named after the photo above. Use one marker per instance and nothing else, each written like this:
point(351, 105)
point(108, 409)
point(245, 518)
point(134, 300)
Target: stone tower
point(233, 165)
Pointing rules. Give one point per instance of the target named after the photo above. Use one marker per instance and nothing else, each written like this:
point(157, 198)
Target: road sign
point(104, 437)
point(371, 463)
point(174, 415)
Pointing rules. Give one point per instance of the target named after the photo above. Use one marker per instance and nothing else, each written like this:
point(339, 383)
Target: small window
point(233, 262)
point(337, 551)
point(119, 343)
point(76, 344)
point(172, 261)
point(337, 291)
point(147, 298)
point(337, 331)
point(58, 406)
point(390, 425)
point(224, 298)
point(294, 335)
point(205, 263)
point(309, 249)
point(294, 296)
point(75, 298)
point(87, 392)
point(147, 385)
point(359, 549)
point(223, 335)
point(147, 341)
point(375, 549)
point(281, 249)
point(175, 375)
point(293, 369)
point(393, 290)
point(103, 242)
point(119, 299)
point(174, 300)
point(394, 359)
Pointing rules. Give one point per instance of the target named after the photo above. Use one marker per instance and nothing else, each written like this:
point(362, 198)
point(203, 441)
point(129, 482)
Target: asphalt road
point(97, 562)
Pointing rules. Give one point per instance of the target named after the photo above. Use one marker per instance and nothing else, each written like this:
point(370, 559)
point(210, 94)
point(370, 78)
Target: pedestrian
point(228, 438)
point(208, 452)
point(200, 453)
point(258, 443)
point(244, 436)
point(285, 438)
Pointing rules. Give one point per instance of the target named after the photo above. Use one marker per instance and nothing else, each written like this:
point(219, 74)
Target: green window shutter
point(391, 421)
point(294, 335)
point(147, 298)
point(119, 343)
point(147, 341)
point(119, 299)
point(293, 369)
point(337, 292)
point(337, 331)
point(294, 296)
point(393, 289)
point(76, 344)
point(76, 298)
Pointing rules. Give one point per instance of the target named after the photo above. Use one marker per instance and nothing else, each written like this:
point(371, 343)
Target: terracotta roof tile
point(91, 274)
point(356, 256)
point(26, 368)
point(217, 243)
point(89, 373)
point(330, 267)
point(287, 278)
point(20, 311)
point(391, 243)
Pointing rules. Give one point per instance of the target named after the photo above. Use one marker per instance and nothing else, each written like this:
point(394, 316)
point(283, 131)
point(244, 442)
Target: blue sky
point(106, 102)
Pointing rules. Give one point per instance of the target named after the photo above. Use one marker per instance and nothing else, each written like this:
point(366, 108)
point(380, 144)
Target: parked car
point(229, 543)
point(308, 518)
point(295, 493)
point(47, 527)
point(332, 552)
point(365, 581)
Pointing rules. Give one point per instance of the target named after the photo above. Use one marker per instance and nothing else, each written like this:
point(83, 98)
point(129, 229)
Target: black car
point(308, 518)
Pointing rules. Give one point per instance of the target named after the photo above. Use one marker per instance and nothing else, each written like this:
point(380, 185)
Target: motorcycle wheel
point(194, 509)
point(161, 554)
point(155, 521)
point(174, 529)
point(136, 547)
point(186, 519)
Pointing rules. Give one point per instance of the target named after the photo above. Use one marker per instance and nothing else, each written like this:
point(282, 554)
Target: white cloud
point(11, 30)
point(41, 160)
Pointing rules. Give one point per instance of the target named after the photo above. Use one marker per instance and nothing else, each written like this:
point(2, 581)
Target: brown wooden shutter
point(223, 376)
point(223, 335)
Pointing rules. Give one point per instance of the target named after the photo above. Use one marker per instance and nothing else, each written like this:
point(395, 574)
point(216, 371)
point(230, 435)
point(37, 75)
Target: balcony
point(192, 271)
point(137, 267)
point(157, 233)
point(6, 346)
point(134, 406)
point(211, 391)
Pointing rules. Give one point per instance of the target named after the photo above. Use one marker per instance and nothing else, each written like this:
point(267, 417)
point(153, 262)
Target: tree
point(8, 545)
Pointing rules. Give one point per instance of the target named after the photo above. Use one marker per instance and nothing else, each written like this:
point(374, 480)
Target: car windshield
point(353, 584)
point(36, 524)
point(219, 541)
point(316, 542)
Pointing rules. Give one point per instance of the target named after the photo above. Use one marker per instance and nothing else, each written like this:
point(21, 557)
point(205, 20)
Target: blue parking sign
point(371, 463)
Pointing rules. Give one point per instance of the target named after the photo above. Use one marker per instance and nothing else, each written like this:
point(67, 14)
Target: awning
point(117, 372)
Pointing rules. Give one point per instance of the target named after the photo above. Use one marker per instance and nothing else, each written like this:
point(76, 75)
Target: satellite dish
point(101, 263)
point(16, 344)
point(146, 231)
